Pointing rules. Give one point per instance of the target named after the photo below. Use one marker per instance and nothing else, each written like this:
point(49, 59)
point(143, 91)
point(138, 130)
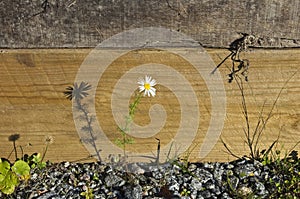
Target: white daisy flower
point(146, 85)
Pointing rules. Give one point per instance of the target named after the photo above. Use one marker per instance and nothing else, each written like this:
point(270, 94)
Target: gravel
point(170, 180)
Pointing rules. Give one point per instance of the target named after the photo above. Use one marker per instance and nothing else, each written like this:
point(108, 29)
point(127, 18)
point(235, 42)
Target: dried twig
point(236, 47)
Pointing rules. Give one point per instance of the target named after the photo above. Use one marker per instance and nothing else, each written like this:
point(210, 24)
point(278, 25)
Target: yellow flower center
point(147, 86)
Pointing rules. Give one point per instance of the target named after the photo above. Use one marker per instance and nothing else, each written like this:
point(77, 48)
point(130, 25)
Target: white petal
point(152, 93)
point(152, 82)
point(153, 90)
point(147, 79)
point(141, 88)
point(146, 92)
point(141, 82)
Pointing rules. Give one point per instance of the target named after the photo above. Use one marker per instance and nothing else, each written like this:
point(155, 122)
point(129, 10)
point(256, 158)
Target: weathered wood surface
point(32, 103)
point(71, 23)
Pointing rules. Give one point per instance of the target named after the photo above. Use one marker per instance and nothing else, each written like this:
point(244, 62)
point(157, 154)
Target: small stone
point(245, 170)
point(134, 168)
point(244, 191)
point(208, 165)
point(210, 185)
point(204, 194)
point(204, 175)
point(67, 164)
point(157, 175)
point(192, 167)
point(81, 184)
point(225, 195)
point(260, 189)
point(113, 180)
point(241, 161)
point(174, 187)
point(228, 166)
point(133, 193)
point(34, 176)
point(257, 163)
point(196, 184)
point(47, 195)
point(193, 194)
point(218, 173)
point(265, 175)
point(216, 190)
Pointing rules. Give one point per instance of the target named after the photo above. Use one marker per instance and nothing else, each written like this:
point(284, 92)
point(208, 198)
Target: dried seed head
point(48, 139)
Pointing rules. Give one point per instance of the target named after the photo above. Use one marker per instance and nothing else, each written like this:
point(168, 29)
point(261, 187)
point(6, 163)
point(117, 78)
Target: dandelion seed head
point(48, 139)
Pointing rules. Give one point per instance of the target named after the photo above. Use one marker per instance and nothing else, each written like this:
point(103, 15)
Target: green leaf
point(88, 193)
point(129, 141)
point(8, 184)
point(41, 165)
point(21, 168)
point(36, 161)
point(4, 169)
point(119, 142)
point(37, 158)
point(33, 165)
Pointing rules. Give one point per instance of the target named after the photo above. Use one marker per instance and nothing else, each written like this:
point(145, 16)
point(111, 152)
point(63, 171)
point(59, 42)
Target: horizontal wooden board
point(71, 23)
point(32, 103)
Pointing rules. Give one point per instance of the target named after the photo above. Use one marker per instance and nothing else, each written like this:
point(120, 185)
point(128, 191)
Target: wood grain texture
point(61, 23)
point(32, 103)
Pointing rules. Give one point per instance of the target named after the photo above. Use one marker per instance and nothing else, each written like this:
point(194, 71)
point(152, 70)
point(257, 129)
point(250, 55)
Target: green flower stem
point(133, 106)
point(128, 120)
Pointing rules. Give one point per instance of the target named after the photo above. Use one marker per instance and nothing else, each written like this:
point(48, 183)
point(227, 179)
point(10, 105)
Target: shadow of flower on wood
point(78, 92)
point(13, 137)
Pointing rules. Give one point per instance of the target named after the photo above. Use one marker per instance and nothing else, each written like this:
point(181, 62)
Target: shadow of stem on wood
point(13, 138)
point(78, 92)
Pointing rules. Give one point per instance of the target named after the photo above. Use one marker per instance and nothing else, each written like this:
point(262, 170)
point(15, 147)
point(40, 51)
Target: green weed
point(10, 175)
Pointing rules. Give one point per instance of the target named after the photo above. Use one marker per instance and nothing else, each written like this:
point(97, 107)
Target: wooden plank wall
point(33, 105)
point(43, 44)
